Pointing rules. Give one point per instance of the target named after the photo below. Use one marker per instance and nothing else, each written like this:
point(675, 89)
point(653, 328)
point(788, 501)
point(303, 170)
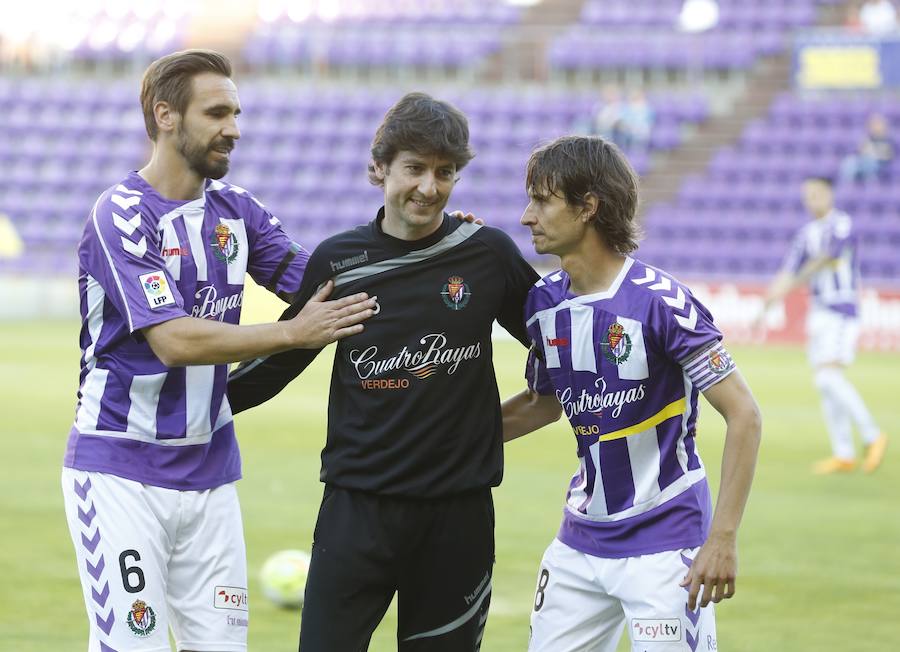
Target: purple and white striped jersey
point(143, 260)
point(836, 286)
point(627, 366)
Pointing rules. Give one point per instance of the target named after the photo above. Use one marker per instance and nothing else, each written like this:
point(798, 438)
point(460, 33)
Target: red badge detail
point(614, 335)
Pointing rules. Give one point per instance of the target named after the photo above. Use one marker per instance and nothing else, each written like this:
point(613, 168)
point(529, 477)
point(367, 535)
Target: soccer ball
point(283, 577)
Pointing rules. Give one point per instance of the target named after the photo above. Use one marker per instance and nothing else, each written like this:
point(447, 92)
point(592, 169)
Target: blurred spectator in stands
point(637, 121)
point(627, 124)
point(852, 22)
point(878, 17)
point(608, 113)
point(874, 155)
point(698, 15)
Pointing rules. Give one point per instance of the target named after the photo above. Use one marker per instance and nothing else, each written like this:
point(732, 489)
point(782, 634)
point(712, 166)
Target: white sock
point(843, 391)
point(837, 421)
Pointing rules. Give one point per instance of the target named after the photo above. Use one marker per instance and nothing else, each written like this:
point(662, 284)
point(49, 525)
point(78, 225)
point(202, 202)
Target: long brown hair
point(573, 167)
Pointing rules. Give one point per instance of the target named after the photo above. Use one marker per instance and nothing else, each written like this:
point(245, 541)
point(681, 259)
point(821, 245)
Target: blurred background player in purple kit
point(824, 255)
point(152, 458)
point(624, 350)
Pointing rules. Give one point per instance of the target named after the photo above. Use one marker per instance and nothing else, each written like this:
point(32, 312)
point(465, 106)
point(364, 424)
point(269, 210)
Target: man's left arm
point(715, 566)
point(520, 277)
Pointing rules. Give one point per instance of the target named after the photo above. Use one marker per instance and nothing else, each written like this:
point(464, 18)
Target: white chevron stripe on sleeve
point(127, 226)
point(677, 301)
point(664, 284)
point(651, 276)
point(690, 321)
point(138, 249)
point(125, 202)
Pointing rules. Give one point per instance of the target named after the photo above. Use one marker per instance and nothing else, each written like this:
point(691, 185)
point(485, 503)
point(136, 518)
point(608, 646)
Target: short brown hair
point(573, 167)
point(168, 79)
point(419, 123)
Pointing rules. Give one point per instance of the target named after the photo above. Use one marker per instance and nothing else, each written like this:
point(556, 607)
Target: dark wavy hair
point(419, 123)
point(573, 167)
point(168, 79)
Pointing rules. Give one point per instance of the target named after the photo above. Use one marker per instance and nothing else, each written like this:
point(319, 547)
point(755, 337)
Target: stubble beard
point(197, 156)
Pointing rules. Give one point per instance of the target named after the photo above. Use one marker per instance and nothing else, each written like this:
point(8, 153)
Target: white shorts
point(582, 601)
point(831, 337)
point(151, 558)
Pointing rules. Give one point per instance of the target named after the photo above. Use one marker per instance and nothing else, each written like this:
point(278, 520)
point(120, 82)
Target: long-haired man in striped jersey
point(624, 350)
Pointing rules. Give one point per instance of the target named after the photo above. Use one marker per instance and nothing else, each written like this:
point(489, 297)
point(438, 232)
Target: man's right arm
point(193, 341)
point(526, 412)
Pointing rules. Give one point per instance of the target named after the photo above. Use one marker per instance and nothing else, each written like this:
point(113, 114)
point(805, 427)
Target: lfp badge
point(617, 346)
point(456, 293)
point(224, 243)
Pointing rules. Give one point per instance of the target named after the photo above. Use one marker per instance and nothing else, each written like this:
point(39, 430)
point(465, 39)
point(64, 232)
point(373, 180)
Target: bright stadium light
point(131, 37)
point(329, 10)
point(300, 10)
point(102, 35)
point(270, 10)
point(117, 10)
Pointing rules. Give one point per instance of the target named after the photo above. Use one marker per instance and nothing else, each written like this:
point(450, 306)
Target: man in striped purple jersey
point(824, 255)
point(152, 459)
point(623, 350)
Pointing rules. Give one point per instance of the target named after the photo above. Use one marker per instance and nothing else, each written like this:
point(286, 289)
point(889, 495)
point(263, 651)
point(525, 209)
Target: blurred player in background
point(624, 350)
point(414, 440)
point(152, 457)
point(824, 255)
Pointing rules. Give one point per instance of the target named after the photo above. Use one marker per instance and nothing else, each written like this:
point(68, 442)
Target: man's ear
point(166, 118)
point(591, 204)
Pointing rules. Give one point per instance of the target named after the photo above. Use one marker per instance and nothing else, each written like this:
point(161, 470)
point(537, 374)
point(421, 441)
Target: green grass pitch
point(819, 557)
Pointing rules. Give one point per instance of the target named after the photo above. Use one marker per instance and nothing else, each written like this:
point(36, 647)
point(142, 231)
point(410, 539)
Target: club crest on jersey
point(141, 619)
point(456, 293)
point(224, 243)
point(719, 362)
point(617, 346)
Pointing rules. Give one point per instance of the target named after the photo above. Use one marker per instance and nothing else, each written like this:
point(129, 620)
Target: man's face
point(817, 197)
point(556, 228)
point(208, 128)
point(416, 190)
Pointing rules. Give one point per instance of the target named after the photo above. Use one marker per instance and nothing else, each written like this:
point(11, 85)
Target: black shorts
point(437, 554)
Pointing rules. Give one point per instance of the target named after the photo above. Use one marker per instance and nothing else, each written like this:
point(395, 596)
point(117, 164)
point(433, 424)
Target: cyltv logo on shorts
point(231, 597)
point(647, 630)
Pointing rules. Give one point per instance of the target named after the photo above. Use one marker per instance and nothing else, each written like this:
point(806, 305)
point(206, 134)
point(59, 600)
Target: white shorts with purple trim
point(151, 559)
point(582, 602)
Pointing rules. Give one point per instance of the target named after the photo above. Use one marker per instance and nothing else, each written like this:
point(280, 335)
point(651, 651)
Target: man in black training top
point(414, 427)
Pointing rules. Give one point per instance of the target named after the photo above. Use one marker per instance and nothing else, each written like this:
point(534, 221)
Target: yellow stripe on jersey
point(673, 409)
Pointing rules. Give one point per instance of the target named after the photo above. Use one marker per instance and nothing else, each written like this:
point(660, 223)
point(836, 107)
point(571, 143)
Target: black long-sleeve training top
point(414, 408)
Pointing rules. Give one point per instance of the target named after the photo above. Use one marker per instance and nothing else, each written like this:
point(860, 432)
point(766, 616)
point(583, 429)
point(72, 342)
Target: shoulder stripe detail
point(125, 202)
point(460, 235)
point(126, 226)
point(664, 284)
point(651, 276)
point(138, 248)
point(112, 267)
point(679, 301)
point(690, 321)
